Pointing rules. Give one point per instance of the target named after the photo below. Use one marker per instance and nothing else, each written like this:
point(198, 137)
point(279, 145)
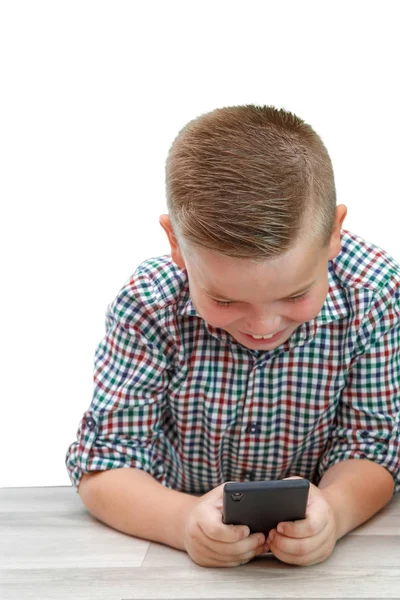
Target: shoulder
point(362, 265)
point(369, 281)
point(157, 286)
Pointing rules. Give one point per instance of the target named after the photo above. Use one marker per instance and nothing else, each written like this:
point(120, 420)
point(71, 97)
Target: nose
point(263, 322)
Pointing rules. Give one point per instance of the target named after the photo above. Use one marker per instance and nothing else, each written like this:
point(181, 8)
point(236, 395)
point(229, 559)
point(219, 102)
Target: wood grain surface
point(52, 548)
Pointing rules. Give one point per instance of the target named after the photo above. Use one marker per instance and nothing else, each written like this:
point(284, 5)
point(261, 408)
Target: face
point(272, 298)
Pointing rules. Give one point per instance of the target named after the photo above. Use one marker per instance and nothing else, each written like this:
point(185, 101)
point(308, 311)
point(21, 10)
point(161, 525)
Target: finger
point(315, 556)
point(227, 561)
point(215, 529)
point(247, 557)
point(231, 554)
point(302, 546)
point(294, 546)
point(236, 549)
point(315, 521)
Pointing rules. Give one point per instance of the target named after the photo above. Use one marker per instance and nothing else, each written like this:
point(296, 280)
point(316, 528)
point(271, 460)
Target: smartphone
point(261, 505)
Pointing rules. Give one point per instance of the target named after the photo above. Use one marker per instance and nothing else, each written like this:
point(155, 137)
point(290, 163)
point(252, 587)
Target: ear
point(335, 244)
point(176, 253)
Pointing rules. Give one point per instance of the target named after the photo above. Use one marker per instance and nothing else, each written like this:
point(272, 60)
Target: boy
point(266, 346)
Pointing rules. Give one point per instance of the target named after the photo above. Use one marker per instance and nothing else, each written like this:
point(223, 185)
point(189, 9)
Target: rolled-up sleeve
point(367, 424)
point(122, 424)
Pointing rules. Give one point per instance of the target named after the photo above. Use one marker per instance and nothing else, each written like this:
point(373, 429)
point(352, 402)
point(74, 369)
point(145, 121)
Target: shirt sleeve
point(122, 424)
point(367, 424)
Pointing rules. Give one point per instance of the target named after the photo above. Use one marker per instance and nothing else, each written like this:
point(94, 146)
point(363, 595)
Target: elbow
point(87, 486)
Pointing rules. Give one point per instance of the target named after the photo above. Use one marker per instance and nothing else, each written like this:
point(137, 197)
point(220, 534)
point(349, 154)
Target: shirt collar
point(335, 306)
point(189, 309)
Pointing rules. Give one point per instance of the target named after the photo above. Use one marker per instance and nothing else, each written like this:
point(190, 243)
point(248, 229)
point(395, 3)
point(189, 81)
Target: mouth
point(264, 340)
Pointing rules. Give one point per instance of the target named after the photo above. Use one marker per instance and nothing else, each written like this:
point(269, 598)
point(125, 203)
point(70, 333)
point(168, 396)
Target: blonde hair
point(249, 182)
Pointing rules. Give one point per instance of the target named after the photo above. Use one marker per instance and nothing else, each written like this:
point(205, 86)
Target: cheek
point(219, 316)
point(306, 310)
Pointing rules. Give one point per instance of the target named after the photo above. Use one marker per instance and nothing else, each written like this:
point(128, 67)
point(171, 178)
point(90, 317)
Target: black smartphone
point(261, 505)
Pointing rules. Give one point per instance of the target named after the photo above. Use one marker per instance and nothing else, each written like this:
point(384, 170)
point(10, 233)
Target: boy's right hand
point(210, 542)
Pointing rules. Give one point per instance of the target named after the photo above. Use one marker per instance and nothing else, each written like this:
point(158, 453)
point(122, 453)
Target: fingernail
point(271, 537)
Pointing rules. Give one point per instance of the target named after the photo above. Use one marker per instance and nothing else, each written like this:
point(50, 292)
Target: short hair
point(248, 182)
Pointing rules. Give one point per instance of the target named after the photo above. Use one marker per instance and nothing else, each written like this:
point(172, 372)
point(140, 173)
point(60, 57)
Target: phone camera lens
point(237, 496)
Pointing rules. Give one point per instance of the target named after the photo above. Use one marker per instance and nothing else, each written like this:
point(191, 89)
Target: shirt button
point(364, 434)
point(249, 475)
point(253, 428)
point(91, 423)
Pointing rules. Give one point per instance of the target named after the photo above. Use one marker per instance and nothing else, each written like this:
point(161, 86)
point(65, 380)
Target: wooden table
point(52, 548)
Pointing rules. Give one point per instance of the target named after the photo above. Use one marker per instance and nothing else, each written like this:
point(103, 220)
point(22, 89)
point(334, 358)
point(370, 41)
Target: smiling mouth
point(262, 338)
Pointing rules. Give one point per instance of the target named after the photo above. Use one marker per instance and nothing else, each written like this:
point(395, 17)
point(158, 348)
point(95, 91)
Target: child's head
point(252, 218)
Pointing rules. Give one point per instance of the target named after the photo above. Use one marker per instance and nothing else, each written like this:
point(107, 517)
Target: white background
point(92, 96)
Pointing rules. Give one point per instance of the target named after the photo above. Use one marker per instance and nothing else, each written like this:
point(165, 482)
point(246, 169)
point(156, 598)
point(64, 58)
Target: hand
point(210, 542)
point(308, 541)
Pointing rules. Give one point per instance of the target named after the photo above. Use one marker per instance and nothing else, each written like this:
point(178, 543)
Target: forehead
point(234, 277)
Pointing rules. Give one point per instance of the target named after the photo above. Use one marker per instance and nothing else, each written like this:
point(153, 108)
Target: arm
point(124, 422)
point(360, 469)
point(132, 501)
point(116, 462)
point(356, 490)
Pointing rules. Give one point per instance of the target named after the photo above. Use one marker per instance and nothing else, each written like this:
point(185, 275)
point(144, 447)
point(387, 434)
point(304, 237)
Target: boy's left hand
point(310, 540)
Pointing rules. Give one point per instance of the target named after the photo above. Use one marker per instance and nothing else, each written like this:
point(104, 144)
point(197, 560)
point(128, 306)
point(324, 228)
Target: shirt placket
point(249, 428)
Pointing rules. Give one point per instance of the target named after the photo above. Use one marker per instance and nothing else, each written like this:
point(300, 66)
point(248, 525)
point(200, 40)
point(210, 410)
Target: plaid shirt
point(187, 403)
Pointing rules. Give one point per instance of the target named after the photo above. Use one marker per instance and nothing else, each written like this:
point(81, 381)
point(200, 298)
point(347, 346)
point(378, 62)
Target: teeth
point(263, 337)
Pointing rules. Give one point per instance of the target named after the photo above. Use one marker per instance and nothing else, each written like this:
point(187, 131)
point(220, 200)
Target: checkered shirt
point(187, 403)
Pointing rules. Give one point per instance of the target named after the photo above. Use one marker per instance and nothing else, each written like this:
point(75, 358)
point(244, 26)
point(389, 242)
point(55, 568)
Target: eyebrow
point(219, 296)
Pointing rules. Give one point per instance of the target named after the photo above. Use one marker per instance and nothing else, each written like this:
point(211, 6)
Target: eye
point(297, 298)
point(221, 303)
point(293, 299)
